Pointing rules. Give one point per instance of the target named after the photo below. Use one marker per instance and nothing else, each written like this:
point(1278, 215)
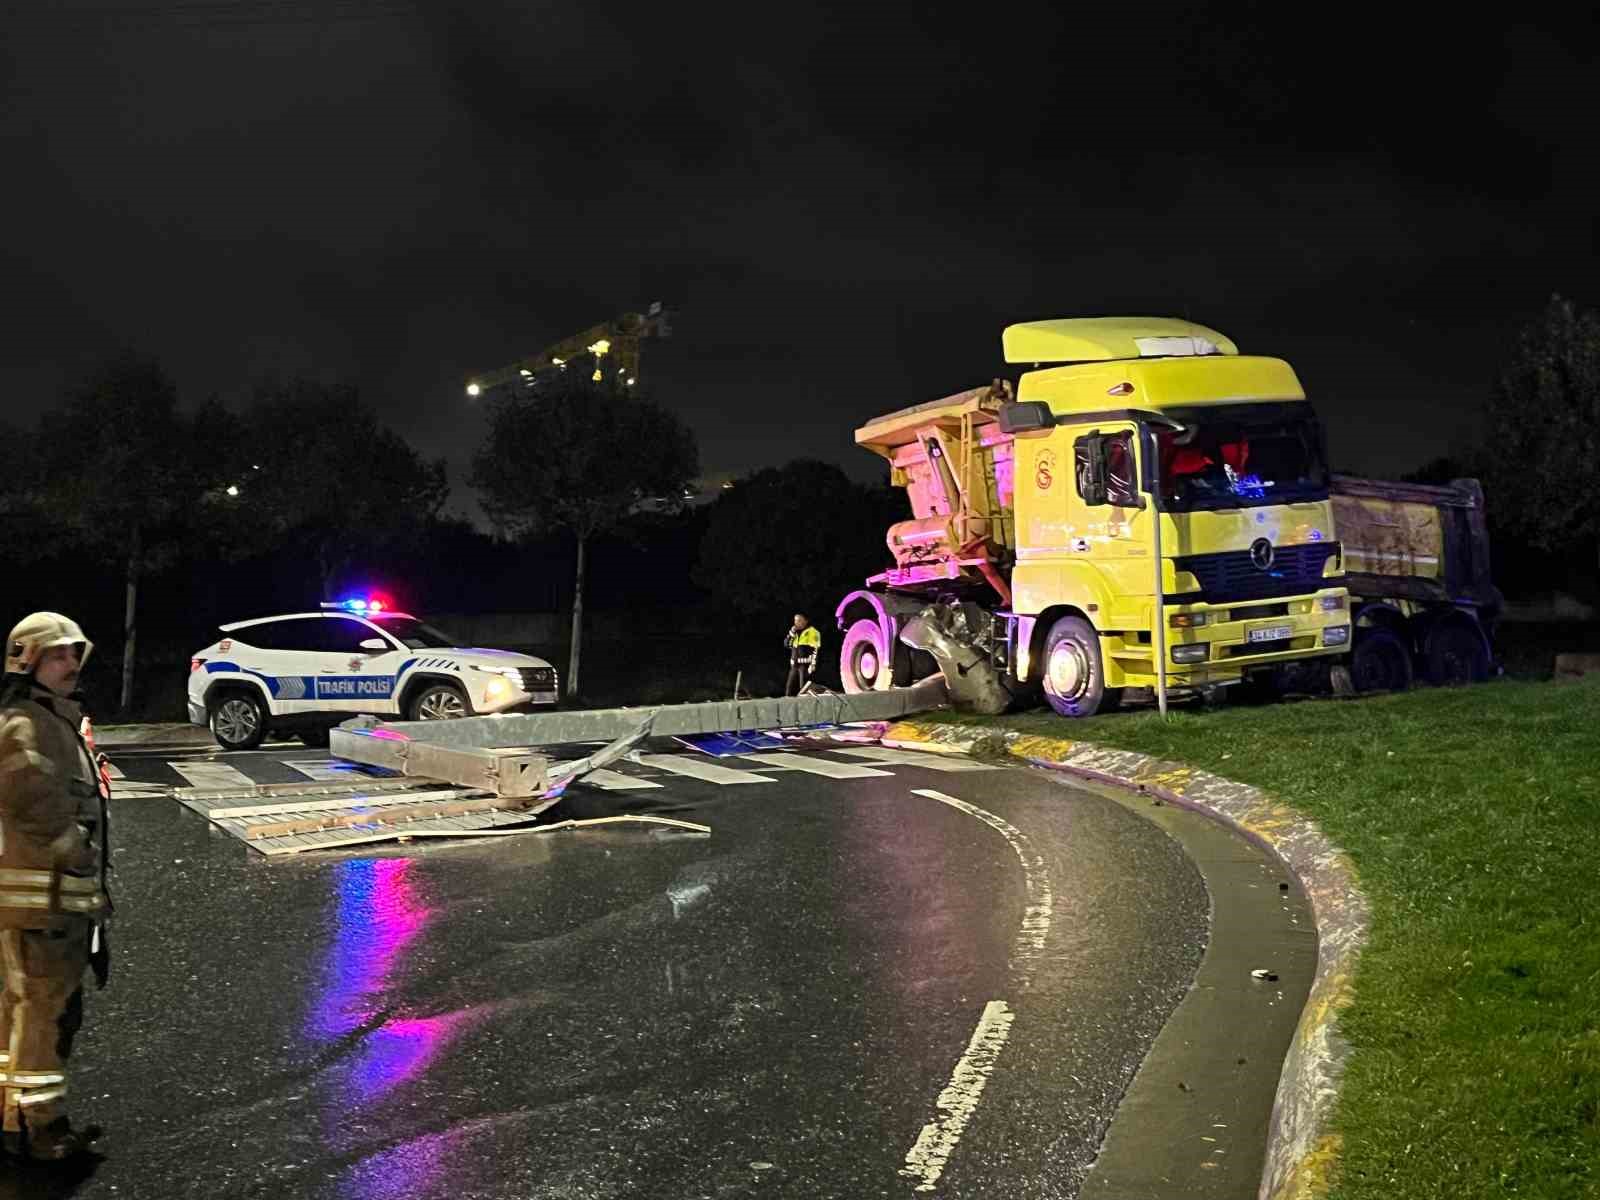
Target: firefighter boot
point(56, 1141)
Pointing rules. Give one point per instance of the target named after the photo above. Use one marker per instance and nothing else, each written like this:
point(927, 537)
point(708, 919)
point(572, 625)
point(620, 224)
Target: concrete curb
point(168, 734)
point(1301, 1153)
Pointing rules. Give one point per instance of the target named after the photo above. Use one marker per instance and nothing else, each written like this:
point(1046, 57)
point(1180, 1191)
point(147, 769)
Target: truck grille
point(1231, 575)
point(537, 679)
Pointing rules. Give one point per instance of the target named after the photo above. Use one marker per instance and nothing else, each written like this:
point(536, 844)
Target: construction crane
point(612, 346)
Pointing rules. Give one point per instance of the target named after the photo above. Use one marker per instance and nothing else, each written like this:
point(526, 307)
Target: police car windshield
point(414, 633)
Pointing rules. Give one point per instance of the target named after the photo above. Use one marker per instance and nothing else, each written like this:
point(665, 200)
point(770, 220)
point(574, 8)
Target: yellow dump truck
point(1421, 598)
point(1149, 510)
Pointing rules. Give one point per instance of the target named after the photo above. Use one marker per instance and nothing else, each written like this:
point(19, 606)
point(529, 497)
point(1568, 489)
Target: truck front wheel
point(1381, 662)
point(1074, 675)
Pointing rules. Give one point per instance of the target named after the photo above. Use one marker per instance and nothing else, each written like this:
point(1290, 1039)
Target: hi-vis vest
point(803, 646)
point(52, 817)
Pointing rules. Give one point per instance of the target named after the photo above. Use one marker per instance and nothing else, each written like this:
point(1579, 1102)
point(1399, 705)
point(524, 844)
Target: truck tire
point(865, 666)
point(439, 702)
point(1074, 675)
point(238, 720)
point(1381, 662)
point(1456, 656)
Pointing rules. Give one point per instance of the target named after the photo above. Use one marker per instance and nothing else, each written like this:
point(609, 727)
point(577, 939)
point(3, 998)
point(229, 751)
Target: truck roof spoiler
point(1104, 339)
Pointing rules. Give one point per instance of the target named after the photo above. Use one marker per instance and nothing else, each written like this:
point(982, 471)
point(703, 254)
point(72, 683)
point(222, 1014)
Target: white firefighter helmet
point(35, 634)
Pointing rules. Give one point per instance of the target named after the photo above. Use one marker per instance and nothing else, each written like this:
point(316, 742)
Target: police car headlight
point(496, 688)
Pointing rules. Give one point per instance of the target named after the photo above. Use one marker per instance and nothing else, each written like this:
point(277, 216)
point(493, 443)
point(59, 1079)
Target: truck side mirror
point(1030, 416)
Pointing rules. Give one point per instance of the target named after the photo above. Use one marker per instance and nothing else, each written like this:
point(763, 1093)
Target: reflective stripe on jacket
point(52, 816)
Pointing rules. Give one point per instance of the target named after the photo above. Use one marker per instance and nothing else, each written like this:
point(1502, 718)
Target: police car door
point(278, 654)
point(351, 676)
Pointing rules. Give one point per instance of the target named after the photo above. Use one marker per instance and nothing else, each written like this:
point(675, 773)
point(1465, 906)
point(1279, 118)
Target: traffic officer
point(803, 642)
point(53, 863)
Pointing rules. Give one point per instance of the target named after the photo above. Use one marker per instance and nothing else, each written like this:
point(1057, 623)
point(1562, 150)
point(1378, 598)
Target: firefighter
point(53, 864)
point(803, 642)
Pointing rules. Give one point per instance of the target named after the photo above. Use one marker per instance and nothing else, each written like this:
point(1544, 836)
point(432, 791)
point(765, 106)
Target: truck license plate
point(1272, 633)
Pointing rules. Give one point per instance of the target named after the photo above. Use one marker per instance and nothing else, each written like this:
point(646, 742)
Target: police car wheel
point(439, 702)
point(238, 721)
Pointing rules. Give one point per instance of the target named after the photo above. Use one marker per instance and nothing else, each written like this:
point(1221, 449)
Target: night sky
point(842, 207)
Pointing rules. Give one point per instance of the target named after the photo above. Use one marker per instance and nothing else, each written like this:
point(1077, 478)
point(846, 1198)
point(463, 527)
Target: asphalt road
point(905, 981)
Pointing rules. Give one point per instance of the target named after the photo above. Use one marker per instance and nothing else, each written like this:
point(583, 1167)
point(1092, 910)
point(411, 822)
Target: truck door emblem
point(1261, 553)
point(1044, 470)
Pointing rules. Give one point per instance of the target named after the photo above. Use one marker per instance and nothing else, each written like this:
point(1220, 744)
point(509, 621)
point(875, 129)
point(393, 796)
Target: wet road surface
point(854, 987)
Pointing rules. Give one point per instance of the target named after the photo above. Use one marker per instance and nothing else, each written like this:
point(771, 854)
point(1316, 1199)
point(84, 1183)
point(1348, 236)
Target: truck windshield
point(414, 633)
point(1239, 455)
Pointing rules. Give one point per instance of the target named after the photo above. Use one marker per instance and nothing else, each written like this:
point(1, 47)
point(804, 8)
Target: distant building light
point(630, 380)
point(560, 362)
point(527, 374)
point(600, 348)
point(727, 485)
point(474, 390)
point(233, 489)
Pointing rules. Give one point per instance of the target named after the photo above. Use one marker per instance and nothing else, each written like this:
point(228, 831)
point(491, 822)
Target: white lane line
point(208, 774)
point(915, 758)
point(614, 781)
point(812, 765)
point(698, 768)
point(925, 1160)
point(1041, 903)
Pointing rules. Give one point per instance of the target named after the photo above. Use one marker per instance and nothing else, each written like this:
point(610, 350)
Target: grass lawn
point(1473, 820)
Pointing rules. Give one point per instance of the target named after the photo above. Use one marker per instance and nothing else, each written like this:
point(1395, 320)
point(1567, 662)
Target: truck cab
point(1149, 510)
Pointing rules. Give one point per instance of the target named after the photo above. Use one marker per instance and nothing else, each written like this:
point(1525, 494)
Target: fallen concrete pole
point(383, 744)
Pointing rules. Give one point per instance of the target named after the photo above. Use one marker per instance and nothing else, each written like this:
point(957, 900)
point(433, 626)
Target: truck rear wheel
point(1074, 674)
point(1381, 662)
point(865, 665)
point(1456, 655)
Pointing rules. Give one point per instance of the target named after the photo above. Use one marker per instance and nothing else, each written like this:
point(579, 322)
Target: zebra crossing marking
point(211, 774)
point(812, 765)
point(615, 781)
point(697, 768)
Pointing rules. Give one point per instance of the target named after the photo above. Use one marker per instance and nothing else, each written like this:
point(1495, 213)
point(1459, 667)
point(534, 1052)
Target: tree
point(326, 472)
point(574, 456)
point(796, 539)
point(119, 472)
point(1544, 432)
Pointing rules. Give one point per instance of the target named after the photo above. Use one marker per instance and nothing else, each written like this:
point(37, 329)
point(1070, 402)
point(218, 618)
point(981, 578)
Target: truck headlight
point(1188, 620)
point(1191, 654)
point(1336, 635)
point(1333, 603)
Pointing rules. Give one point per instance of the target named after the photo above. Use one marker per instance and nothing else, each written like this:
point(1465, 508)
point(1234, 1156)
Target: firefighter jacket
point(803, 646)
point(53, 846)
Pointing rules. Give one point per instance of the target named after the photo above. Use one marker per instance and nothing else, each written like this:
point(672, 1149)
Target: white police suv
point(303, 673)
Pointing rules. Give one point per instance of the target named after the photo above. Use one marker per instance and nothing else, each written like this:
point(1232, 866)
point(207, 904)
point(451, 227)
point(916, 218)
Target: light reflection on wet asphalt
point(630, 1012)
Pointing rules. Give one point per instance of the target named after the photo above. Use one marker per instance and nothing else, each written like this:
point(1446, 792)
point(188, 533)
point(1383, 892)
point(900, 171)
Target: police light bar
point(360, 604)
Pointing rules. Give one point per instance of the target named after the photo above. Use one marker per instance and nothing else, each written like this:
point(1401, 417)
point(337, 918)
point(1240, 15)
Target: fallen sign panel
point(280, 822)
